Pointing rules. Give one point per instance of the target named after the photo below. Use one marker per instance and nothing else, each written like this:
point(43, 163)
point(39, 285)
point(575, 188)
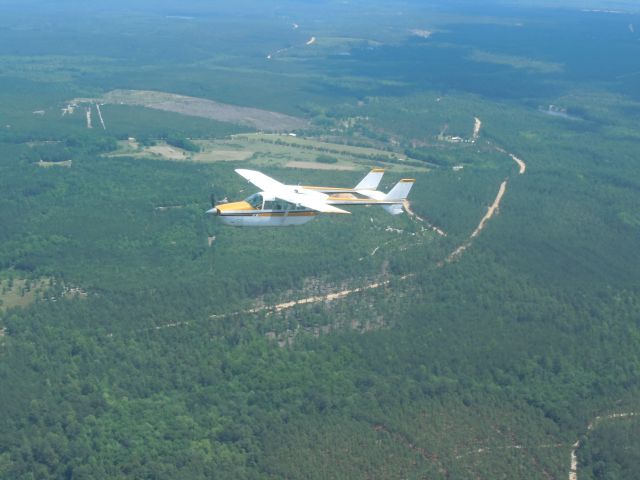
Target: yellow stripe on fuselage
point(288, 214)
point(234, 206)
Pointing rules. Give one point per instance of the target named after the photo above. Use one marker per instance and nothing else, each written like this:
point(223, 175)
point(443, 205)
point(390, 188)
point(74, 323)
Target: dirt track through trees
point(490, 212)
point(492, 209)
point(476, 129)
point(573, 469)
point(411, 213)
point(519, 161)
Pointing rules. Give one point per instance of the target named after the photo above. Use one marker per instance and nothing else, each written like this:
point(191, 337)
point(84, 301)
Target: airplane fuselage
point(243, 214)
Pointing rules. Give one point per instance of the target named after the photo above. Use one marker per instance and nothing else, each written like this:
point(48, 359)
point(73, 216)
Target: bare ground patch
point(222, 156)
point(168, 152)
point(318, 166)
point(201, 107)
point(212, 152)
point(65, 163)
point(20, 292)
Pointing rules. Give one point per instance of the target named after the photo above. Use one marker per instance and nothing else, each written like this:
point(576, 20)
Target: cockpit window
point(255, 201)
point(277, 205)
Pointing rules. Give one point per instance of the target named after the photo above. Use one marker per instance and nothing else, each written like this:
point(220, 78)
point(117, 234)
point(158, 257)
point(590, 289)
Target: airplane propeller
point(213, 210)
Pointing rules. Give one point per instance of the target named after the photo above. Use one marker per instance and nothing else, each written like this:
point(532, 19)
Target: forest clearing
point(274, 150)
point(199, 107)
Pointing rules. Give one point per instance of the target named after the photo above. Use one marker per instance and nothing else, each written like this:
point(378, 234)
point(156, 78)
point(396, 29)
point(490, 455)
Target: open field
point(64, 163)
point(21, 292)
point(212, 152)
point(318, 166)
point(221, 155)
point(269, 148)
point(516, 62)
point(274, 150)
point(200, 107)
point(168, 152)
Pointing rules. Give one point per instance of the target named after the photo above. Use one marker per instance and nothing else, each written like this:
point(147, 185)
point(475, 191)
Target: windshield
point(255, 200)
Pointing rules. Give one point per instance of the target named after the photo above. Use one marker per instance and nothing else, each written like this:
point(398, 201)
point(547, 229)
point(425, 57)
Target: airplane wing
point(260, 180)
point(288, 193)
point(306, 201)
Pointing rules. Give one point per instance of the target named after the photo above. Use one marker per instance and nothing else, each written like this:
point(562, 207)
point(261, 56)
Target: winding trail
point(519, 161)
point(314, 299)
point(270, 56)
point(411, 213)
point(476, 129)
point(508, 447)
point(490, 212)
point(573, 469)
point(492, 209)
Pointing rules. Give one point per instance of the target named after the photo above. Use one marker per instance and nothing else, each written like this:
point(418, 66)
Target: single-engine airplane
point(279, 205)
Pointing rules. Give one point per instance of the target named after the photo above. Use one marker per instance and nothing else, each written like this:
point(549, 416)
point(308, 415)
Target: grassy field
point(275, 150)
point(21, 292)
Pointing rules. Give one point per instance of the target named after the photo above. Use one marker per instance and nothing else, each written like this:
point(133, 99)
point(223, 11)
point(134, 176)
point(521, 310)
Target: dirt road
point(519, 161)
point(476, 129)
point(411, 213)
point(573, 469)
point(490, 212)
point(319, 298)
point(492, 209)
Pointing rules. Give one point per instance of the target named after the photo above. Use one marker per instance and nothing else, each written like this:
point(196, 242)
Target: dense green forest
point(611, 450)
point(139, 338)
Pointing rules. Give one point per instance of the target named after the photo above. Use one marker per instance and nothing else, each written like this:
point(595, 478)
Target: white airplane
point(279, 205)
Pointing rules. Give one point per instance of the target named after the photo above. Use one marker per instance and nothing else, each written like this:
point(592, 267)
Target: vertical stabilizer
point(371, 181)
point(401, 189)
point(399, 193)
